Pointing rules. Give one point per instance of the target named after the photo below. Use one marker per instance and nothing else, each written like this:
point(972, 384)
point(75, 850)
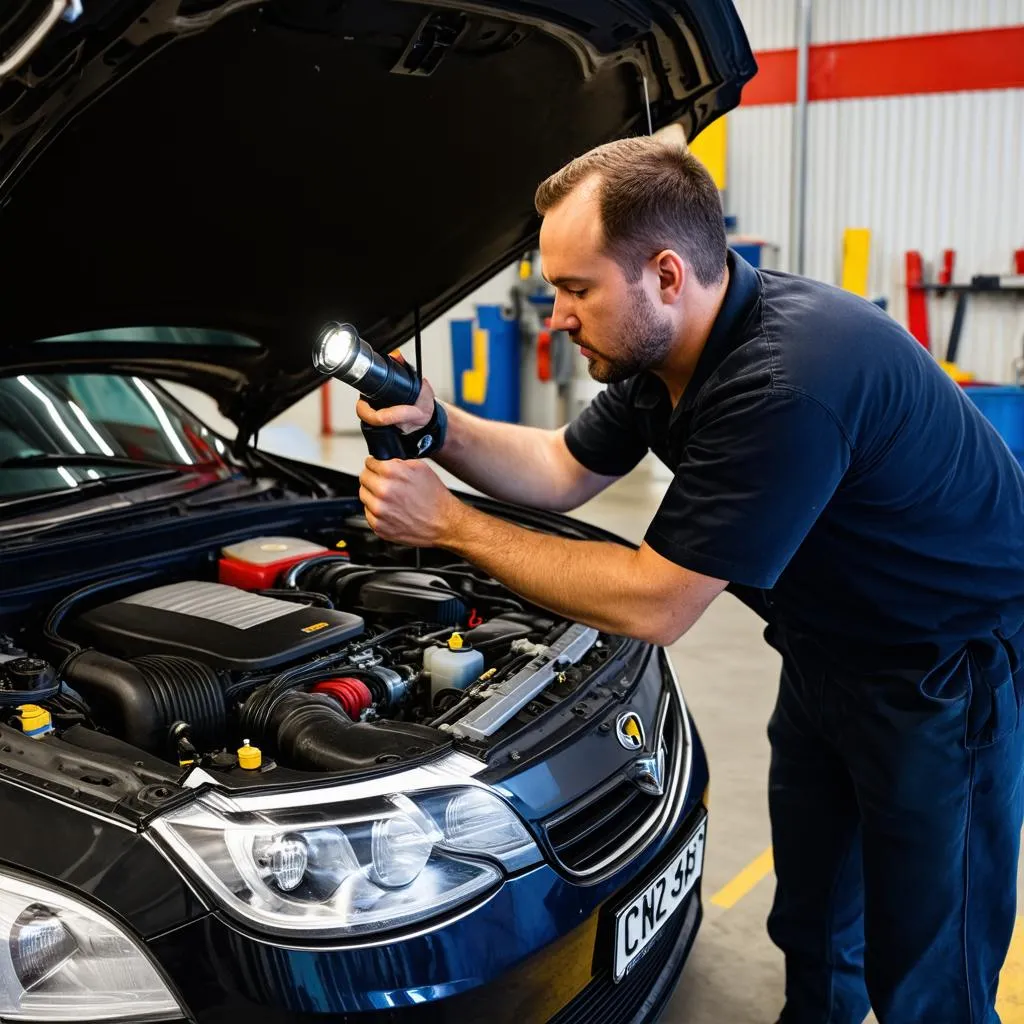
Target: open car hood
point(259, 167)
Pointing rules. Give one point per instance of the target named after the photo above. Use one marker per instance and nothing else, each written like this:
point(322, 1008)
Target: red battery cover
point(248, 576)
point(257, 564)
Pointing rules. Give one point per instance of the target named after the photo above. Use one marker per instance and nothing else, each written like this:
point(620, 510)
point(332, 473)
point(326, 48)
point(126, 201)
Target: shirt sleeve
point(753, 478)
point(606, 437)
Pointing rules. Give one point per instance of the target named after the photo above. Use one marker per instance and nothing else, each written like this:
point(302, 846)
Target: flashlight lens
point(335, 346)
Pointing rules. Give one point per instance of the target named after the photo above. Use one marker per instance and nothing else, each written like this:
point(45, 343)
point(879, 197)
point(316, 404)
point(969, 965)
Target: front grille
point(604, 1002)
point(605, 820)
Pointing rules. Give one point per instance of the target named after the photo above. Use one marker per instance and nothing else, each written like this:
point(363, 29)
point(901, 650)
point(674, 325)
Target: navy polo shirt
point(828, 468)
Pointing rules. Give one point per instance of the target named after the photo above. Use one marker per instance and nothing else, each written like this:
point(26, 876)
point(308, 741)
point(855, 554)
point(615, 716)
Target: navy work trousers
point(896, 810)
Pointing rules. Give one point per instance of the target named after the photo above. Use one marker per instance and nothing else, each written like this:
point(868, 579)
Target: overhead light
point(54, 415)
point(90, 429)
point(165, 423)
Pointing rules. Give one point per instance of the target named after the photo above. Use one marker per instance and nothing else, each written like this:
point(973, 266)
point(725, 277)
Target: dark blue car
point(257, 764)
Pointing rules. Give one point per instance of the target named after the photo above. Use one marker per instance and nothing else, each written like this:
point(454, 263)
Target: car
point(257, 763)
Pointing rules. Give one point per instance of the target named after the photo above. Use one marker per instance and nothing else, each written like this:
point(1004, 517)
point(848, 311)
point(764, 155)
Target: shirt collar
point(741, 296)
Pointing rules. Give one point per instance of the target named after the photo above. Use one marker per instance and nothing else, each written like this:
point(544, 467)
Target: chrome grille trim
point(667, 810)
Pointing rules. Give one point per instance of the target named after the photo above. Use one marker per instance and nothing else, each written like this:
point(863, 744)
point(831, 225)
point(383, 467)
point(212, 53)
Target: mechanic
point(830, 474)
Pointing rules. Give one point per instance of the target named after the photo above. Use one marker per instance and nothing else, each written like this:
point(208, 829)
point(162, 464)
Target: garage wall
point(922, 171)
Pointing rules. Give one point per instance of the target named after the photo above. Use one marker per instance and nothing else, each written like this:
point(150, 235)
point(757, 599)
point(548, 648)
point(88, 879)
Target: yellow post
point(710, 149)
point(856, 251)
point(474, 380)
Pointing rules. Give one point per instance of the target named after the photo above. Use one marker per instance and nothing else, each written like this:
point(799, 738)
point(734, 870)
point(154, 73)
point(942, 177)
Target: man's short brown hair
point(653, 195)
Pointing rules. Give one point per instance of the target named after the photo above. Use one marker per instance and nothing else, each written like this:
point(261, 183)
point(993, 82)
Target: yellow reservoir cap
point(35, 721)
point(455, 642)
point(249, 756)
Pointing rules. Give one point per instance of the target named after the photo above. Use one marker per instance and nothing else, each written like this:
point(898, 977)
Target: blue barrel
point(1003, 407)
point(485, 364)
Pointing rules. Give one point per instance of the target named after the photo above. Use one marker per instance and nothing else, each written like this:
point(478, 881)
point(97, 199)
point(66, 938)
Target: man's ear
point(671, 270)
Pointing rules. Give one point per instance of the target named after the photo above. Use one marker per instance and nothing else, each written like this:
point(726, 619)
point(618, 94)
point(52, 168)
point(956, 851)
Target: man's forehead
point(571, 243)
point(579, 209)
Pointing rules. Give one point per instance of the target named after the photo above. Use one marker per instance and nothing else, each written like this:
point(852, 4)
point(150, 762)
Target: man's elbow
point(660, 630)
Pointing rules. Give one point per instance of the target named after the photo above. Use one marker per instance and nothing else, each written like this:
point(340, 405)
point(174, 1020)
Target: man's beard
point(644, 341)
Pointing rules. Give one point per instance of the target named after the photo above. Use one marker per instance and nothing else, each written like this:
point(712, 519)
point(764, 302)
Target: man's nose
point(562, 316)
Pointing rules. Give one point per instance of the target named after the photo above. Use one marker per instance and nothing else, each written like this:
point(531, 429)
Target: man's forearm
point(594, 582)
point(507, 461)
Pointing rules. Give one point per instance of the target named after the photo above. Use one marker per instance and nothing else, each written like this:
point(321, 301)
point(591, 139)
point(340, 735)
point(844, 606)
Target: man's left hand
point(405, 502)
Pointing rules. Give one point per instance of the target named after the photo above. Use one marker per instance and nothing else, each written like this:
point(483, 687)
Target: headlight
point(61, 960)
point(352, 867)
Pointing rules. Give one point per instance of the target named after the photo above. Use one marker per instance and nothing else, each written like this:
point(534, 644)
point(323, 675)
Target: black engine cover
point(221, 626)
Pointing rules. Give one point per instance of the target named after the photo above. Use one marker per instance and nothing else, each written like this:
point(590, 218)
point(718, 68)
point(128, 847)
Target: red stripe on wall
point(903, 66)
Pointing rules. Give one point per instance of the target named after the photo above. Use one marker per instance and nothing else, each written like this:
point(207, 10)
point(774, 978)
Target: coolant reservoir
point(454, 666)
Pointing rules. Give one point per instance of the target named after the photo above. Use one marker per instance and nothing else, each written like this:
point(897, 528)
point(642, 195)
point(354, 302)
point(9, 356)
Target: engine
point(326, 657)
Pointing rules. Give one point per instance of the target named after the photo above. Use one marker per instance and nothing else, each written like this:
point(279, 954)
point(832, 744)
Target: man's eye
point(578, 293)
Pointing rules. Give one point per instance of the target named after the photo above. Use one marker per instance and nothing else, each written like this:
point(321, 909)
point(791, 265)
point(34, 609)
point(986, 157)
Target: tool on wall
point(980, 284)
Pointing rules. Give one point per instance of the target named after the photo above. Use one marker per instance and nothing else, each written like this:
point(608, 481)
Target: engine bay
point(329, 652)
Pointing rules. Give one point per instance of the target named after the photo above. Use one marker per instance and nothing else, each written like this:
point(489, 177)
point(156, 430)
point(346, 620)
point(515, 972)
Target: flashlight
point(341, 353)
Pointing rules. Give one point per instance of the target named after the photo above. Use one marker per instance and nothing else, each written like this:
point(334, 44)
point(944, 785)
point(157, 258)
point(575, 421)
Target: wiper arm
point(45, 459)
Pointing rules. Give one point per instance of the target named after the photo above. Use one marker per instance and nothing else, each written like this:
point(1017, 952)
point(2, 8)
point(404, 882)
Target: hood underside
point(262, 168)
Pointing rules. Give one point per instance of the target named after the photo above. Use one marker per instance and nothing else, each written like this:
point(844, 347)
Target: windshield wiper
point(55, 459)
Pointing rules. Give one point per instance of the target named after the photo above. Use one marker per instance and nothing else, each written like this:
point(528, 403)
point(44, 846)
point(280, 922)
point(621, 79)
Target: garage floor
point(729, 677)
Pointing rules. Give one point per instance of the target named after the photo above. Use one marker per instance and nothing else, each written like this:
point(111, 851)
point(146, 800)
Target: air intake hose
point(309, 730)
point(144, 697)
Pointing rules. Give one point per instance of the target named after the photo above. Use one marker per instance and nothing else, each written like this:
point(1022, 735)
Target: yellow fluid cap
point(248, 756)
point(34, 720)
point(341, 545)
point(525, 270)
point(455, 642)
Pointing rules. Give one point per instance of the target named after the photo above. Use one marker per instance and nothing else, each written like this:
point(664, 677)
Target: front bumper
point(539, 951)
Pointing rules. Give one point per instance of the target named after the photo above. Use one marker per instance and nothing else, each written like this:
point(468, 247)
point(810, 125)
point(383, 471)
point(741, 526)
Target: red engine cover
point(256, 564)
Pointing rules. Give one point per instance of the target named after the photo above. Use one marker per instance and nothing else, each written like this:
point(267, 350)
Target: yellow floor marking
point(731, 893)
point(1010, 1001)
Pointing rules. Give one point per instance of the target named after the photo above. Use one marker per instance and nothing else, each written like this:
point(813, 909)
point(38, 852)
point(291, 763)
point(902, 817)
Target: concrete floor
point(729, 677)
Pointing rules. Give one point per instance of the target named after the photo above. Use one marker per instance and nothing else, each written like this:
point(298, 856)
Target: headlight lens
point(349, 868)
point(61, 960)
point(473, 822)
point(400, 852)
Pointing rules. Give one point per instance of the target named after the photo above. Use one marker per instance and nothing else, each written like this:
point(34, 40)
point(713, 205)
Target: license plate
point(637, 924)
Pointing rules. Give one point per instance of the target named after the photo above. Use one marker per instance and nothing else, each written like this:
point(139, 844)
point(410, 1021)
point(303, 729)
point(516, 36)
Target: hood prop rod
point(419, 373)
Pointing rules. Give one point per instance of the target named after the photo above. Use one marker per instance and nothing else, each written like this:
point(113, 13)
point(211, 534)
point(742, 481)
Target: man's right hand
point(406, 417)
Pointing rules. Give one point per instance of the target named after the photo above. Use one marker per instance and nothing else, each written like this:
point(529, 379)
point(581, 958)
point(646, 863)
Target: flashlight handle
point(383, 442)
point(388, 397)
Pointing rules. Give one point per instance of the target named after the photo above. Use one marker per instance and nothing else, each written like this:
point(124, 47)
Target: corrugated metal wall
point(922, 172)
point(771, 24)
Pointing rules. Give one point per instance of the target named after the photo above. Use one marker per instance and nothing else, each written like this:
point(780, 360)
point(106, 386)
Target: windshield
point(90, 418)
